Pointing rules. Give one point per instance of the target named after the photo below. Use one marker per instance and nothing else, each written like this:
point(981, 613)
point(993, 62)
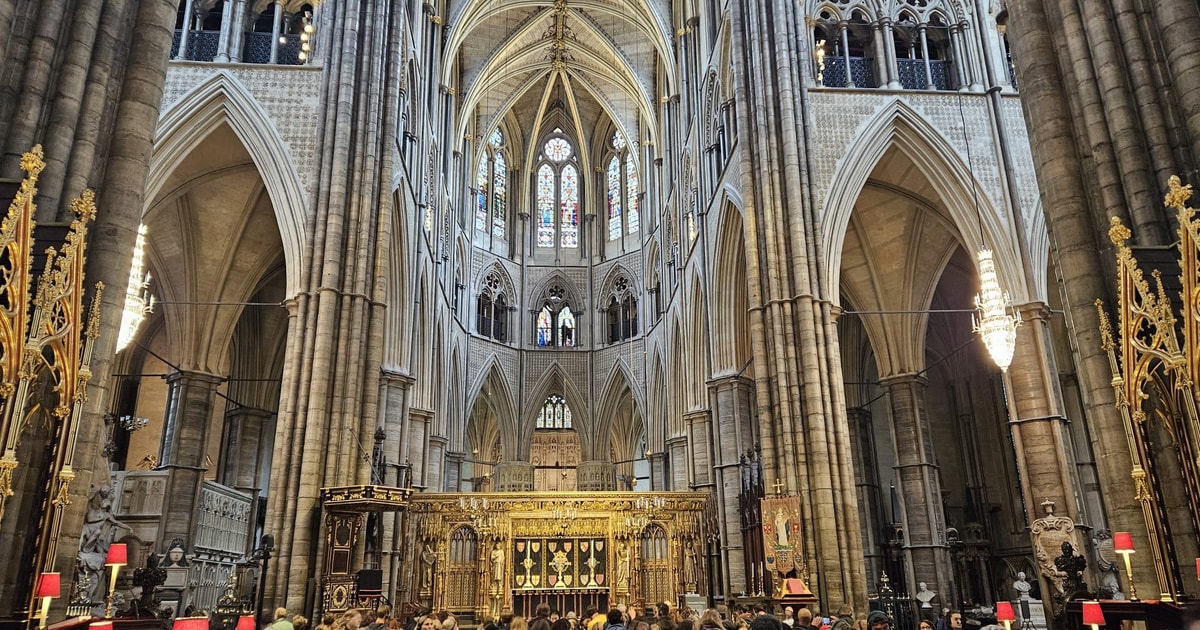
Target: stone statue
point(428, 557)
point(924, 595)
point(497, 566)
point(689, 565)
point(94, 539)
point(622, 580)
point(1022, 587)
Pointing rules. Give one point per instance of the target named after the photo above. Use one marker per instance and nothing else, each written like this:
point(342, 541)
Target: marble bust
point(1022, 587)
point(924, 595)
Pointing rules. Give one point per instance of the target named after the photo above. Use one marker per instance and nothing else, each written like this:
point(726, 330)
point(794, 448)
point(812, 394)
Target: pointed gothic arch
point(901, 126)
point(492, 389)
point(554, 381)
point(731, 320)
point(219, 100)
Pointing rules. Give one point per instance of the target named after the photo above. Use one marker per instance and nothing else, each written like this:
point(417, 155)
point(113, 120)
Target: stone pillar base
point(596, 475)
point(514, 477)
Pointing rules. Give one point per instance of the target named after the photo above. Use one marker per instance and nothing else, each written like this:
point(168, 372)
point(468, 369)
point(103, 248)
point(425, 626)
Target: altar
point(485, 554)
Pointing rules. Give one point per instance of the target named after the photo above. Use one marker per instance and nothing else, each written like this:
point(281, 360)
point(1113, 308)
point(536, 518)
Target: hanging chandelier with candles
point(993, 321)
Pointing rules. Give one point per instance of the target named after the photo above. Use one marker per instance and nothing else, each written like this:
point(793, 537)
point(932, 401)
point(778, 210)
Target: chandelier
point(993, 323)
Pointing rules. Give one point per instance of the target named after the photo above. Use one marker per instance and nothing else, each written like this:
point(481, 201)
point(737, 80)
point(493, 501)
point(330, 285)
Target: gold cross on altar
point(778, 486)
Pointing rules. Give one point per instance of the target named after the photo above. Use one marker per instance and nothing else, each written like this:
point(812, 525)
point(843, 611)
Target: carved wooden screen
point(462, 570)
point(656, 580)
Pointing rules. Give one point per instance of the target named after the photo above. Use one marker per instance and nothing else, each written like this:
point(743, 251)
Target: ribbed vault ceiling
point(600, 60)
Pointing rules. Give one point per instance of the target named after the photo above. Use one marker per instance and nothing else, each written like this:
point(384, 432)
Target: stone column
point(928, 555)
point(732, 401)
point(243, 436)
point(866, 479)
point(189, 410)
point(227, 33)
point(1038, 420)
point(889, 49)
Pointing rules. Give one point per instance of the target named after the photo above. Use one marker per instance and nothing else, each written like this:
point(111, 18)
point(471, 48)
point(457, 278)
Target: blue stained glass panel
point(631, 185)
point(614, 198)
point(569, 222)
point(545, 206)
point(499, 195)
point(481, 195)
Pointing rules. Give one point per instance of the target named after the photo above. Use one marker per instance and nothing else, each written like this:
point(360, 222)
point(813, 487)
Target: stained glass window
point(614, 198)
point(566, 327)
point(631, 185)
point(545, 206)
point(545, 327)
point(496, 139)
point(569, 222)
point(555, 413)
point(499, 192)
point(481, 195)
point(558, 149)
point(618, 142)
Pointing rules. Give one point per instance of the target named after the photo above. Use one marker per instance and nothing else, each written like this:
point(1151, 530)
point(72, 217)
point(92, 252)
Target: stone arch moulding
point(611, 391)
point(571, 294)
point(223, 99)
point(610, 280)
point(506, 282)
point(556, 380)
point(492, 371)
point(898, 124)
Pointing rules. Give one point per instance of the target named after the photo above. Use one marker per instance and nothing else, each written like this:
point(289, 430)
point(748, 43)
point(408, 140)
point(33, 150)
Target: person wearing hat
point(572, 620)
point(878, 620)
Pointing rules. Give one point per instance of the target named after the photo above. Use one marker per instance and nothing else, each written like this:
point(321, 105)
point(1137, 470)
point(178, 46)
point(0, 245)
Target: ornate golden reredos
point(33, 165)
point(1178, 195)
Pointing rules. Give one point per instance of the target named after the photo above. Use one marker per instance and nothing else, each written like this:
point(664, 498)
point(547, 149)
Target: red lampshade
point(118, 553)
point(245, 622)
point(48, 585)
point(191, 623)
point(1093, 615)
point(1198, 568)
point(101, 625)
point(1123, 542)
point(1004, 612)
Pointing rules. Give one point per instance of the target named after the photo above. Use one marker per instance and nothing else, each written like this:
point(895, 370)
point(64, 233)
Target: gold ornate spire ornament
point(50, 344)
point(1155, 372)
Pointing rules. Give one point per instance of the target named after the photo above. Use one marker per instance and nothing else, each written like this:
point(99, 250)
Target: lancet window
point(622, 190)
point(491, 188)
point(555, 413)
point(558, 194)
point(622, 312)
point(491, 309)
point(556, 324)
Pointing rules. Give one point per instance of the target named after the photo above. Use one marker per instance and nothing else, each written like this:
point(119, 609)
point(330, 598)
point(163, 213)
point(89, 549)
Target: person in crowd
point(616, 620)
point(925, 624)
point(326, 622)
point(860, 622)
point(878, 620)
point(560, 624)
point(804, 618)
point(447, 620)
point(711, 620)
point(541, 617)
point(300, 622)
point(350, 620)
point(765, 622)
point(593, 619)
point(430, 622)
point(789, 616)
point(572, 619)
point(381, 618)
point(665, 620)
point(518, 623)
point(282, 620)
point(505, 621)
point(844, 619)
point(555, 616)
point(954, 620)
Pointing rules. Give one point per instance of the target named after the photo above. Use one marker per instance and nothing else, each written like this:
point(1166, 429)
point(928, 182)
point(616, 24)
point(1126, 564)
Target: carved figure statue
point(924, 595)
point(1022, 587)
point(98, 523)
point(428, 557)
point(497, 566)
point(175, 557)
point(623, 557)
point(689, 565)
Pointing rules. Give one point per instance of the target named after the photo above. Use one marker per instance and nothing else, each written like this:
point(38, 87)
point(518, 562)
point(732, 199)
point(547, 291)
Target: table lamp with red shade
point(1093, 615)
point(49, 586)
point(118, 556)
point(1123, 544)
point(1005, 614)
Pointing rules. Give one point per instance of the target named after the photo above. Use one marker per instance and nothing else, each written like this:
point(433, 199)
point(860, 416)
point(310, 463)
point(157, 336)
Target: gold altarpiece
point(491, 553)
